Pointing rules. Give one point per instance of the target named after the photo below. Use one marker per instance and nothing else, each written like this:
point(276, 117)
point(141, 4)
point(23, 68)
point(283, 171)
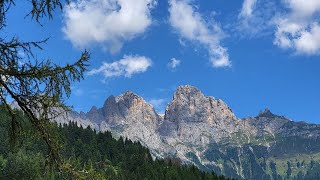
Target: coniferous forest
point(85, 154)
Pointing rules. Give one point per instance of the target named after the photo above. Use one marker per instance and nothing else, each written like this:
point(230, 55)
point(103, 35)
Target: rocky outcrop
point(79, 118)
point(130, 116)
point(266, 123)
point(129, 108)
point(190, 105)
point(95, 115)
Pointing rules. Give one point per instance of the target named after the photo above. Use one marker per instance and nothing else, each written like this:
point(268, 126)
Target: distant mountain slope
point(204, 131)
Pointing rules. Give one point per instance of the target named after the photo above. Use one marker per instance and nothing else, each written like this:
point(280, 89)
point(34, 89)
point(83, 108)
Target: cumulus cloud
point(174, 63)
point(299, 27)
point(191, 26)
point(127, 66)
point(106, 22)
point(294, 23)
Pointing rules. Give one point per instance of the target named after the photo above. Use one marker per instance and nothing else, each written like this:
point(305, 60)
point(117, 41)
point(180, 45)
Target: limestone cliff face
point(129, 108)
point(193, 122)
point(190, 105)
point(95, 115)
point(265, 123)
point(192, 118)
point(130, 116)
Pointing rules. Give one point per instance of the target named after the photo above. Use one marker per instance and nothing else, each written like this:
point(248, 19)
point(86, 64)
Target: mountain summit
point(128, 108)
point(204, 131)
point(190, 105)
point(268, 114)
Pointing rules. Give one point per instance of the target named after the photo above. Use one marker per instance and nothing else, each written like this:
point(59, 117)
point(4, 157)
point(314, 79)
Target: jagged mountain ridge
point(200, 130)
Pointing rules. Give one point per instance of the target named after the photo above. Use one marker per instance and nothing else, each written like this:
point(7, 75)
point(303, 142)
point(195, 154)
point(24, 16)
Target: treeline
point(85, 154)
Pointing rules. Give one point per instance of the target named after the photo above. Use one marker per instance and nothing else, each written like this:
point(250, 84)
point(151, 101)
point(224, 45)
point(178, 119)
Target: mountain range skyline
point(161, 112)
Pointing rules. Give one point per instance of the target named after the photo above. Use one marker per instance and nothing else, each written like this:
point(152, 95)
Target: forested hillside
point(85, 154)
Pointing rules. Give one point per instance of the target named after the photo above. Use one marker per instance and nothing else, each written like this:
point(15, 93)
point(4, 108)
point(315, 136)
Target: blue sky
point(252, 54)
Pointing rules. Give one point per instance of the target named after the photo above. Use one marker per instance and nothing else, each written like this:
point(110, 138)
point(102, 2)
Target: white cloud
point(255, 17)
point(106, 22)
point(127, 66)
point(174, 63)
point(295, 23)
point(247, 8)
point(191, 26)
point(299, 27)
point(309, 41)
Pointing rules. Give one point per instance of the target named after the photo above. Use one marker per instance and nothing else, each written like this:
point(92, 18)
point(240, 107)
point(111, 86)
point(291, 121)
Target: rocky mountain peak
point(93, 109)
point(95, 115)
point(187, 90)
point(128, 107)
point(268, 114)
point(190, 105)
point(128, 96)
point(186, 93)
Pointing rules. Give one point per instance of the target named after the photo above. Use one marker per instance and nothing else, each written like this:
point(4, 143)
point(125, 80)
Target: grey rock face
point(192, 118)
point(129, 108)
point(190, 105)
point(265, 122)
point(95, 115)
point(66, 116)
point(130, 116)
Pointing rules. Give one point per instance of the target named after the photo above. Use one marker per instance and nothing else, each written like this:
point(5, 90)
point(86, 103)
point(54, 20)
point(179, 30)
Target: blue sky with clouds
point(252, 54)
